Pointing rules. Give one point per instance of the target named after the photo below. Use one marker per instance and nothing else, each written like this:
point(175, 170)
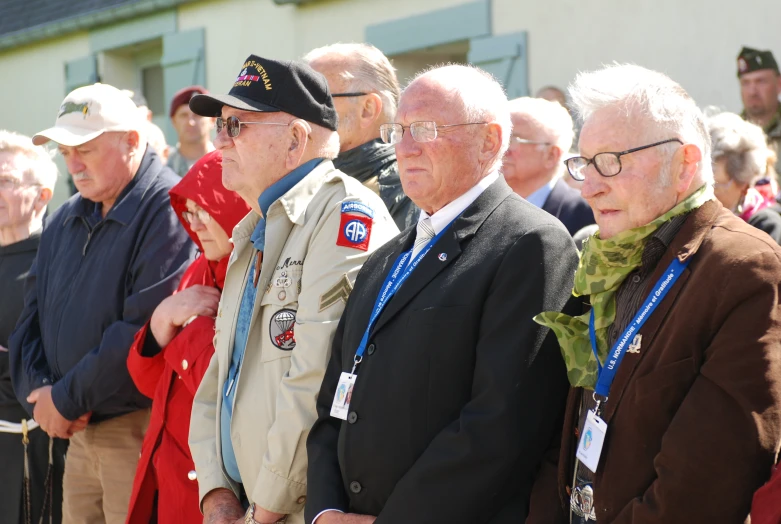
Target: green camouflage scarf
point(604, 264)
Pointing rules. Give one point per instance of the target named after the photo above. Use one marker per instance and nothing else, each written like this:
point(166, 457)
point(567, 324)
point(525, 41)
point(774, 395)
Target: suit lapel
point(555, 200)
point(684, 245)
point(445, 251)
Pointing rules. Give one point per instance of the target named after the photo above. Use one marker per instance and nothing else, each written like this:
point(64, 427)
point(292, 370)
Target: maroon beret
point(183, 96)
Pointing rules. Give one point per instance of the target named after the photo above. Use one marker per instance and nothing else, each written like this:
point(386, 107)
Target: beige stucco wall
point(32, 86)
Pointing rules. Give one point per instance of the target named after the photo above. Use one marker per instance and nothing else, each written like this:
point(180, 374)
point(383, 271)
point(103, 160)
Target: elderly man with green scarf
point(674, 414)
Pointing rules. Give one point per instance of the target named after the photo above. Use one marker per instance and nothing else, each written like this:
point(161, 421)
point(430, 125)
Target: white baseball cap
point(88, 112)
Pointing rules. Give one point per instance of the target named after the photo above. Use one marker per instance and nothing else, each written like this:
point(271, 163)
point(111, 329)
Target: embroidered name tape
point(357, 207)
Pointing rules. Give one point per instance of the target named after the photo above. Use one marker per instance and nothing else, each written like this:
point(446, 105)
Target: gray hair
point(552, 117)
point(649, 95)
point(483, 98)
point(368, 70)
point(326, 142)
point(741, 145)
point(41, 168)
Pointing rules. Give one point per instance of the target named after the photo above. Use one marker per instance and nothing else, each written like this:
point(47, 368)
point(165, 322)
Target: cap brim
point(66, 136)
point(211, 105)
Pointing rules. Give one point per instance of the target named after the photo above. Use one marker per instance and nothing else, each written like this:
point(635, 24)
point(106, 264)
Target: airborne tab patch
point(357, 207)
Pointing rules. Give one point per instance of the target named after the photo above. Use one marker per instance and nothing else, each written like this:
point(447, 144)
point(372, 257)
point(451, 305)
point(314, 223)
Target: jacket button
point(371, 349)
point(192, 475)
point(301, 500)
point(185, 364)
point(352, 418)
point(355, 487)
point(636, 279)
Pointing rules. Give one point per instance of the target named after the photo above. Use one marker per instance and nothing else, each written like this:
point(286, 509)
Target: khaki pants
point(99, 470)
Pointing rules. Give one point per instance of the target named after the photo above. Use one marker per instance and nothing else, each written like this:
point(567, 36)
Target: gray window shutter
point(506, 58)
point(183, 65)
point(80, 72)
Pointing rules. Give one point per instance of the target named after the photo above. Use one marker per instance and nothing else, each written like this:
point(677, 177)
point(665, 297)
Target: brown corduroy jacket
point(694, 419)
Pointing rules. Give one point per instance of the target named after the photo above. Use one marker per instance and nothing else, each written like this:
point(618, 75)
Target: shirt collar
point(447, 214)
point(539, 197)
point(129, 199)
point(274, 192)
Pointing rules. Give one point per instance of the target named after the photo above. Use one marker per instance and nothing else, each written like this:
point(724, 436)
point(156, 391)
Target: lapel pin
point(442, 257)
point(634, 347)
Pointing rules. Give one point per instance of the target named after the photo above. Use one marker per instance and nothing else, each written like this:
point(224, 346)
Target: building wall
point(33, 86)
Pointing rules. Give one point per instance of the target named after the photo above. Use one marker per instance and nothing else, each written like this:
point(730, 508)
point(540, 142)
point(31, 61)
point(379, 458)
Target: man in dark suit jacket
point(457, 391)
point(542, 135)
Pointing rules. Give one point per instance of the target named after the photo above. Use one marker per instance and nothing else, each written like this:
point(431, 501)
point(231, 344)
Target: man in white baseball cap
point(107, 258)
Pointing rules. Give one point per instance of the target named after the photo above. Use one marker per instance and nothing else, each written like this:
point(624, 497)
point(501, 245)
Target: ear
point(370, 110)
point(44, 197)
point(552, 156)
point(690, 157)
point(492, 142)
point(299, 139)
point(131, 140)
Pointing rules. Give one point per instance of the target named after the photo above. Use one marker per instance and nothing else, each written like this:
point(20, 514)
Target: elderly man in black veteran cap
point(296, 255)
point(760, 87)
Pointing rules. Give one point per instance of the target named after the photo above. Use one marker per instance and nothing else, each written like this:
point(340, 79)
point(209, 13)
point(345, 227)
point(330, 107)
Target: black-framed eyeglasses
point(607, 164)
point(203, 216)
point(421, 131)
point(234, 125)
point(344, 95)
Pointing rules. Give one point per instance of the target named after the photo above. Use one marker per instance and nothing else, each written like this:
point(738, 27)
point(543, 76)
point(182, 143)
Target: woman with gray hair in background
point(741, 157)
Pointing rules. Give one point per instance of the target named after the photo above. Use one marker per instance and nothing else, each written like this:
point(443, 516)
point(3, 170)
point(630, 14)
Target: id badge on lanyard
point(401, 270)
point(595, 429)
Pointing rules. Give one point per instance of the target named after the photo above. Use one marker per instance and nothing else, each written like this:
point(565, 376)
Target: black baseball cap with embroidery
point(750, 60)
point(268, 86)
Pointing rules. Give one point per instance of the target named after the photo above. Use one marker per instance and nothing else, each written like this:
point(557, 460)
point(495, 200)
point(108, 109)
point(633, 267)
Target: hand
point(46, 415)
point(3, 349)
point(177, 309)
point(264, 516)
point(220, 506)
point(80, 424)
point(334, 517)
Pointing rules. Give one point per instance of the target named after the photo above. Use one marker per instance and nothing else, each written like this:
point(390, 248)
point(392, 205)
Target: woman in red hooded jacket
point(169, 355)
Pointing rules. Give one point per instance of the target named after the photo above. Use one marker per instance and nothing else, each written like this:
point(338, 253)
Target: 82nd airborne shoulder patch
point(355, 226)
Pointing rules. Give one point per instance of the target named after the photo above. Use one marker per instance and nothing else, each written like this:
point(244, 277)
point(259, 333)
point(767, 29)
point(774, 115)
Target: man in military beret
point(295, 258)
point(760, 87)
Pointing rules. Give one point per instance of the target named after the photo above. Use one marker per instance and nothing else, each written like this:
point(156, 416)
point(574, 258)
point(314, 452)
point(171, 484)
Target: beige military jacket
point(316, 242)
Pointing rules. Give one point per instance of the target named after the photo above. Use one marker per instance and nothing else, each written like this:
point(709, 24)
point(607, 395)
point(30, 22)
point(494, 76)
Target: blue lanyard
point(401, 270)
point(608, 372)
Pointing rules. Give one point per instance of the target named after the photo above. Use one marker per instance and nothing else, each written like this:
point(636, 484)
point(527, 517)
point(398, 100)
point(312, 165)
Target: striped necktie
point(424, 235)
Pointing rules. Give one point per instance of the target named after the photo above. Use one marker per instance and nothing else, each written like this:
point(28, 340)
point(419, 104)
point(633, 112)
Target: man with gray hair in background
point(674, 414)
point(455, 390)
point(108, 257)
point(542, 137)
point(366, 92)
point(27, 178)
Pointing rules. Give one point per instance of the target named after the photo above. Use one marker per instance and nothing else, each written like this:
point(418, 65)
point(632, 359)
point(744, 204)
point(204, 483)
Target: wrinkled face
point(435, 173)
point(759, 91)
point(347, 108)
point(100, 168)
point(18, 194)
point(191, 128)
point(214, 240)
point(525, 161)
point(252, 161)
point(728, 191)
point(641, 192)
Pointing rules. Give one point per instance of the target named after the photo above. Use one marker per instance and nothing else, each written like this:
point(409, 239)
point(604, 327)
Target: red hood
point(203, 185)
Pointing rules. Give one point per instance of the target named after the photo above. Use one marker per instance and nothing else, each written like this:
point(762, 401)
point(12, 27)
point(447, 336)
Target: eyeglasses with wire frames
point(233, 124)
point(203, 216)
point(607, 164)
point(10, 182)
point(421, 131)
point(343, 95)
point(518, 140)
